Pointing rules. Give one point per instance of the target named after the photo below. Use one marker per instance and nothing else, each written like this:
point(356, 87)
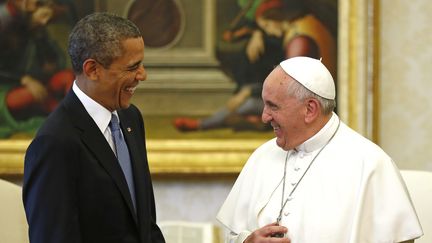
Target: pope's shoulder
point(351, 144)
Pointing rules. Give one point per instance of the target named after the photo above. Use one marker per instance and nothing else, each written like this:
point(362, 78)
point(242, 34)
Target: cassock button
point(286, 213)
point(293, 183)
point(297, 168)
point(301, 154)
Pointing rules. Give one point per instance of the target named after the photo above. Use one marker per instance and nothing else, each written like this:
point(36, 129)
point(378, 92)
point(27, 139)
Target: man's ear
point(313, 108)
point(90, 69)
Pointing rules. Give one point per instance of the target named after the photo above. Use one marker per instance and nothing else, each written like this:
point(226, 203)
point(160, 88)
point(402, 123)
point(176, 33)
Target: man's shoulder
point(355, 146)
point(59, 123)
point(355, 140)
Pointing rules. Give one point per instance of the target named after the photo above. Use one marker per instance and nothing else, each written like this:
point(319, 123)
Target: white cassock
point(352, 192)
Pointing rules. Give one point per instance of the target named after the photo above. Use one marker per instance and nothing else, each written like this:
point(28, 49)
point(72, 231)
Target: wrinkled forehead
point(277, 78)
point(276, 82)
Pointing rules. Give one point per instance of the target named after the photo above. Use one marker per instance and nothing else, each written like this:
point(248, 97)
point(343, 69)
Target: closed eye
point(271, 105)
point(134, 66)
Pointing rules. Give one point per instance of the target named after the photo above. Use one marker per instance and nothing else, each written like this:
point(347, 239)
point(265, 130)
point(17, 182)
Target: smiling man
point(86, 175)
point(318, 180)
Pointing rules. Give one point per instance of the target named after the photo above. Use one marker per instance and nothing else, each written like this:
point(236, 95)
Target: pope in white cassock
point(318, 181)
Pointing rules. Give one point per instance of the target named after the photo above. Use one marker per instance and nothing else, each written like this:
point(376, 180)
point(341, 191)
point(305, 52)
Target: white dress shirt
point(100, 115)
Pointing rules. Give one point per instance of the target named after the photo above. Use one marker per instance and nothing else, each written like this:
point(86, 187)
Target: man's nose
point(265, 117)
point(141, 74)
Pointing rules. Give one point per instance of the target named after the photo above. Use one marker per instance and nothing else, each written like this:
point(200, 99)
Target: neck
point(321, 121)
point(81, 83)
point(313, 128)
point(86, 86)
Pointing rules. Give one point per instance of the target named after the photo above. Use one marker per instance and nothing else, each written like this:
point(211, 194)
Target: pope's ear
point(90, 69)
point(313, 108)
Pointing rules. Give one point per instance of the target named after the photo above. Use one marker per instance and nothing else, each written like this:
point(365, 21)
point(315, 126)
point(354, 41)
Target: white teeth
point(131, 90)
point(275, 126)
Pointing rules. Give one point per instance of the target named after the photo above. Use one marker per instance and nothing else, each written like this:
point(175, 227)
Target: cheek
point(119, 83)
point(282, 118)
point(113, 92)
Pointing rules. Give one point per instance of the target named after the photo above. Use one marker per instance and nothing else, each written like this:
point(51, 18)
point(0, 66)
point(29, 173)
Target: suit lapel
point(97, 144)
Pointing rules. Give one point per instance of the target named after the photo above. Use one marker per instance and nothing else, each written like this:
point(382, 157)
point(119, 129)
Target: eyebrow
point(270, 103)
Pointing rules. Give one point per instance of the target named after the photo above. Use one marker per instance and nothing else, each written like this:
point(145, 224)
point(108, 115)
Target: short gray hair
point(99, 36)
point(297, 90)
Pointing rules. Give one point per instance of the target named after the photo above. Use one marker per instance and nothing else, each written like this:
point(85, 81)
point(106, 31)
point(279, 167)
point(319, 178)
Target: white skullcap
point(312, 74)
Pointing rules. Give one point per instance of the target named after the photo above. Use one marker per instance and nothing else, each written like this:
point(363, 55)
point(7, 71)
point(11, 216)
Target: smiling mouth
point(276, 128)
point(131, 90)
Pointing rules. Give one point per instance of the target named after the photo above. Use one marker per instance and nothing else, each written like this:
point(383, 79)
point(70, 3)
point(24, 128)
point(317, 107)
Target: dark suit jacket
point(74, 189)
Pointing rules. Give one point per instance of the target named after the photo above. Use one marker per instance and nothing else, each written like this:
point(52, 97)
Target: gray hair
point(99, 36)
point(297, 90)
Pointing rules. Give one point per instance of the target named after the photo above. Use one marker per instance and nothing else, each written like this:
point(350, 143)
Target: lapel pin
point(129, 129)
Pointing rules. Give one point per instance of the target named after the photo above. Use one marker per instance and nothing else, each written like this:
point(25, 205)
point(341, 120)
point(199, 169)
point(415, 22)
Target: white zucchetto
point(312, 74)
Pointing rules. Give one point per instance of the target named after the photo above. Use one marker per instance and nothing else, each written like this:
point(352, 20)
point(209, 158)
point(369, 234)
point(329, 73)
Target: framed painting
point(187, 57)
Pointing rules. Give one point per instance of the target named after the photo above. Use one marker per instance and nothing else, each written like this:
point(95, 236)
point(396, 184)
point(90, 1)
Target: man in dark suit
point(81, 182)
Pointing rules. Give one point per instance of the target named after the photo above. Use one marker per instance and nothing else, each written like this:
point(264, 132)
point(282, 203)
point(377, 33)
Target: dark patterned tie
point(122, 155)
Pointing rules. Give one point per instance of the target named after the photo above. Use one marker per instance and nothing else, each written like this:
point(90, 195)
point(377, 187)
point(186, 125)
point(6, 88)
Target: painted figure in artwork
point(33, 74)
point(272, 30)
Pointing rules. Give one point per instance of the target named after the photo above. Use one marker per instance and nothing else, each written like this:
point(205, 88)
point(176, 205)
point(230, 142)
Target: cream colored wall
point(406, 82)
point(195, 200)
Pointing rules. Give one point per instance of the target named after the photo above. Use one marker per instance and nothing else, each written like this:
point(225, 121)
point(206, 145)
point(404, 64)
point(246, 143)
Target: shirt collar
point(97, 112)
point(322, 137)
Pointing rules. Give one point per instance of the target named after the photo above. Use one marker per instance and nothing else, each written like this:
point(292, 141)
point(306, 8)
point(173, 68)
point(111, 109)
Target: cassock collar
point(322, 137)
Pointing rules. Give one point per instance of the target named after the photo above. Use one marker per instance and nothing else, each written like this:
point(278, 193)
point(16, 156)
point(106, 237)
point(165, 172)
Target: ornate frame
point(358, 106)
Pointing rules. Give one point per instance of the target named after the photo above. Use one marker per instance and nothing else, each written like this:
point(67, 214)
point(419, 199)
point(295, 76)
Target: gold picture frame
point(358, 43)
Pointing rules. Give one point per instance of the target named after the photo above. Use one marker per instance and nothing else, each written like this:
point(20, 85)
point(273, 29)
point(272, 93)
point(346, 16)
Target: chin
point(125, 106)
point(279, 142)
point(282, 144)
